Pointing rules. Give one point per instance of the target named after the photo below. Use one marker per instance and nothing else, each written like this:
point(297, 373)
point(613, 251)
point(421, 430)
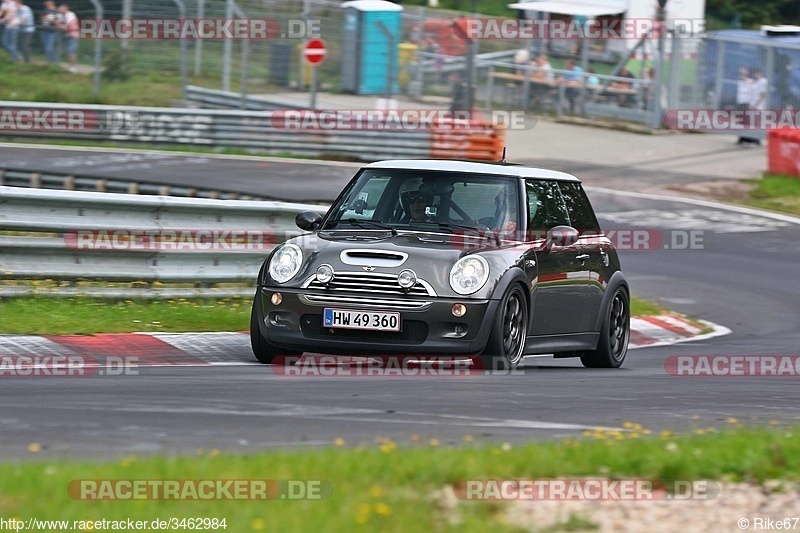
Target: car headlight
point(469, 274)
point(285, 263)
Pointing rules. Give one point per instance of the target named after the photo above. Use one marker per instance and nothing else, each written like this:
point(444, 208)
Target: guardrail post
point(2, 179)
point(98, 49)
point(69, 183)
point(100, 185)
point(36, 181)
point(489, 103)
point(198, 43)
point(184, 72)
point(226, 50)
point(133, 188)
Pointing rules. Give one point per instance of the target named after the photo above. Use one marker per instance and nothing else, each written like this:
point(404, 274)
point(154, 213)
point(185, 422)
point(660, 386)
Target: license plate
point(366, 320)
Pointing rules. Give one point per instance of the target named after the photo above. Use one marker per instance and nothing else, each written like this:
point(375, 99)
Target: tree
point(752, 14)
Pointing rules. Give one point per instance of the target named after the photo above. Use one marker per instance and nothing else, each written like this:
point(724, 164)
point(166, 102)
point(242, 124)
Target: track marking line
point(704, 203)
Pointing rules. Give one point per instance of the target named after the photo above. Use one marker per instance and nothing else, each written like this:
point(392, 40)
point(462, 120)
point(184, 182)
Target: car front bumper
point(296, 325)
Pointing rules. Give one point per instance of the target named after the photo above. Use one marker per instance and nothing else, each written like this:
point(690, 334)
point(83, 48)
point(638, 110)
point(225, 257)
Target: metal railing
point(74, 182)
point(258, 131)
point(215, 99)
point(88, 236)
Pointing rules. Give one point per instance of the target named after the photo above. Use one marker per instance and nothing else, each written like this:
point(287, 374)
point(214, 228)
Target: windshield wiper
point(362, 223)
point(479, 231)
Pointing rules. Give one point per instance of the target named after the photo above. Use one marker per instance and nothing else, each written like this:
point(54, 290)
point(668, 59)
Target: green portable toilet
point(370, 46)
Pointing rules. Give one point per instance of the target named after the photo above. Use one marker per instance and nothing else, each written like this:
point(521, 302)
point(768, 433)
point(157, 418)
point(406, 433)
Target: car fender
point(617, 280)
point(512, 275)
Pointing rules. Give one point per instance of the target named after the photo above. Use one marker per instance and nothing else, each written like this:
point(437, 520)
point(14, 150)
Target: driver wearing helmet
point(417, 202)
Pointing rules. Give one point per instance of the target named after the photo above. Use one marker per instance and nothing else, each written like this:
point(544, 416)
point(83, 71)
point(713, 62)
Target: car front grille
point(369, 284)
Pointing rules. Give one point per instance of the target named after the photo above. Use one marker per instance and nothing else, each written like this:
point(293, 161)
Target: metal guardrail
point(89, 236)
point(215, 99)
point(262, 131)
point(74, 182)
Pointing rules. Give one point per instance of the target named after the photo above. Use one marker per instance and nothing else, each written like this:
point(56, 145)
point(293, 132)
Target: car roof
point(497, 169)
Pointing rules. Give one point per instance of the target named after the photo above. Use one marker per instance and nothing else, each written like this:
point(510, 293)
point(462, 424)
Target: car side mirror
point(308, 220)
point(561, 236)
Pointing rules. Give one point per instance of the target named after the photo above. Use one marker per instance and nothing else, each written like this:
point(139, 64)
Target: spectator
point(71, 28)
point(782, 77)
point(545, 70)
point(4, 6)
point(574, 81)
point(625, 99)
point(759, 97)
point(11, 32)
point(522, 59)
point(760, 90)
point(48, 33)
point(744, 97)
point(27, 26)
point(592, 80)
point(6, 9)
point(649, 88)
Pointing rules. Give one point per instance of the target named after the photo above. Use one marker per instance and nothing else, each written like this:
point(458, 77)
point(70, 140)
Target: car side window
point(546, 208)
point(581, 214)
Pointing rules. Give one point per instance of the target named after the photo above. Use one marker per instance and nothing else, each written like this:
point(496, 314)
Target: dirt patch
point(734, 191)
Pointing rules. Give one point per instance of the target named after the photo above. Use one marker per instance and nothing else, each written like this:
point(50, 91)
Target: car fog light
point(276, 298)
point(459, 309)
point(407, 279)
point(325, 273)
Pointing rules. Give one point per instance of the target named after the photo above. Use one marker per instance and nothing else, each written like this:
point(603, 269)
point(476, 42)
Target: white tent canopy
point(585, 8)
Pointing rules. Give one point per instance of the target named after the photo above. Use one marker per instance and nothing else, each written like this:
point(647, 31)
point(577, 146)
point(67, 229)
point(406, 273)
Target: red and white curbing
point(233, 348)
point(664, 330)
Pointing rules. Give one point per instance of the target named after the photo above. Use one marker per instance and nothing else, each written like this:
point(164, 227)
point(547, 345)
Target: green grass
point(59, 316)
point(397, 486)
point(85, 316)
point(55, 316)
point(641, 307)
point(47, 83)
point(777, 193)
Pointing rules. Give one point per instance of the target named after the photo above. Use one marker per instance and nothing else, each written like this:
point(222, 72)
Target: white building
point(687, 15)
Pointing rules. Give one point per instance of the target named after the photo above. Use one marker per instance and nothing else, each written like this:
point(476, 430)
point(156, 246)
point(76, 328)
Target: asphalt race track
point(742, 275)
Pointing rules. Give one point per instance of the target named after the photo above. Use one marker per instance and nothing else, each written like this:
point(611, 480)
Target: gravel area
point(737, 507)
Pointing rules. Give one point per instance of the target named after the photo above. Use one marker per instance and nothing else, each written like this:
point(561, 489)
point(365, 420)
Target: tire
point(614, 335)
point(506, 343)
point(263, 350)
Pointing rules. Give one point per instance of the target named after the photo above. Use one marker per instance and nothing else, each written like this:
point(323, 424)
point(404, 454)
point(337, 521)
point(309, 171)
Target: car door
point(592, 246)
point(559, 293)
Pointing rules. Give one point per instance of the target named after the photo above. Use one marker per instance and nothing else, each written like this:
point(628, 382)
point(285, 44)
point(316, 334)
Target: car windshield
point(386, 199)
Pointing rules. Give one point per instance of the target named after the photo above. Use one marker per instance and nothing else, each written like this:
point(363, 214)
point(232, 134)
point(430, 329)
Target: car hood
point(430, 255)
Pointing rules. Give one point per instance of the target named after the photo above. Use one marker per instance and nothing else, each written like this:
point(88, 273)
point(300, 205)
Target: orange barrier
point(477, 141)
point(783, 151)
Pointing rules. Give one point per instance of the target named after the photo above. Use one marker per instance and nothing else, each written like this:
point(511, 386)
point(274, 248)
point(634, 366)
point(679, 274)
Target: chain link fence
point(432, 63)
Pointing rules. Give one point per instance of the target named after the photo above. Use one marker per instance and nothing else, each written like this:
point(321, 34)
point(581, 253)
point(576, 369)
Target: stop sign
point(314, 51)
